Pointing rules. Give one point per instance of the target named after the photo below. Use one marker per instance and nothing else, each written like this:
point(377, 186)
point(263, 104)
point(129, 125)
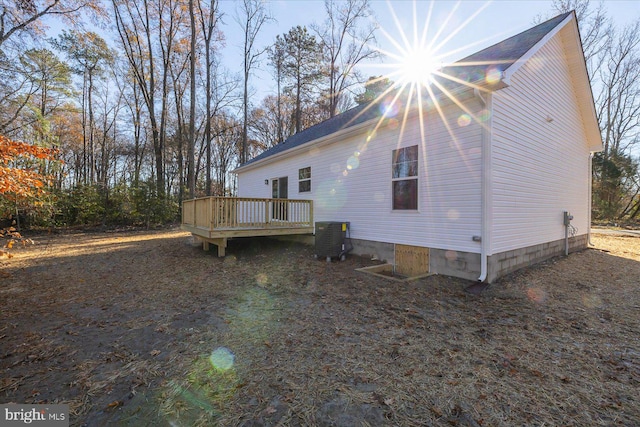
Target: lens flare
point(537, 295)
point(230, 260)
point(464, 120)
point(352, 163)
point(484, 115)
point(451, 255)
point(389, 107)
point(332, 195)
point(222, 359)
point(592, 301)
point(493, 75)
point(262, 279)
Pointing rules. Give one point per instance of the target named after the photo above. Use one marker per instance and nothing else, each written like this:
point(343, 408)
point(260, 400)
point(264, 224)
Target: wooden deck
point(217, 219)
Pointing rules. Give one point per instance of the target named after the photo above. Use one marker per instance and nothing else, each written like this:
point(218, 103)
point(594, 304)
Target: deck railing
point(219, 213)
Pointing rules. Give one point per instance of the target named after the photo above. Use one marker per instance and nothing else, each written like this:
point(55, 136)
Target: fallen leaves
point(115, 404)
point(7, 255)
point(13, 237)
point(413, 353)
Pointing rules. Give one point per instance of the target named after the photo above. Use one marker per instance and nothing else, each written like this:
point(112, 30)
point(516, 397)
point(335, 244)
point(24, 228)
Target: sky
point(460, 27)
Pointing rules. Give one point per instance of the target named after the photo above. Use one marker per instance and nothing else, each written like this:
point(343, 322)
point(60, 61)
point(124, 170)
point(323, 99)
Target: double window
point(405, 178)
point(304, 180)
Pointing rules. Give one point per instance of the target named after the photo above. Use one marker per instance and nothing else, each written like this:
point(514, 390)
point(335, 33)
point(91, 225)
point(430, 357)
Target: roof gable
point(488, 69)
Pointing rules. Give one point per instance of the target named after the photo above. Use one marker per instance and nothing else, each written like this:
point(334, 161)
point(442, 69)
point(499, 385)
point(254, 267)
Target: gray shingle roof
point(349, 118)
point(472, 69)
point(502, 55)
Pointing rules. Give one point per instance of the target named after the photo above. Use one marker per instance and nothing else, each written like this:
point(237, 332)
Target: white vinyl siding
point(540, 158)
point(352, 182)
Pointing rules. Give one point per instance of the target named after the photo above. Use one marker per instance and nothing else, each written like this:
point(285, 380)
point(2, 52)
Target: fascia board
point(506, 74)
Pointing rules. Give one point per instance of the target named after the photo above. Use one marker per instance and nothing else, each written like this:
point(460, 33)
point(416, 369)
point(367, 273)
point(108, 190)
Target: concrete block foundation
point(507, 262)
point(374, 250)
point(466, 265)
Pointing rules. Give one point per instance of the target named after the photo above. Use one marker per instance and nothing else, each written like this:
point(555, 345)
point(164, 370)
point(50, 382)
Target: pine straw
point(317, 343)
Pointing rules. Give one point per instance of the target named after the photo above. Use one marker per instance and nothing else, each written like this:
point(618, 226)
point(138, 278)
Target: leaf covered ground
point(145, 328)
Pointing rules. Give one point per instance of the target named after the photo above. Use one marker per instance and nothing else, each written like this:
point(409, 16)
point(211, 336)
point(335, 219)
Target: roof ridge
point(551, 23)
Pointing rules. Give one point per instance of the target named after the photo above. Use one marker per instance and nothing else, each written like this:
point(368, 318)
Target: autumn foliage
point(19, 177)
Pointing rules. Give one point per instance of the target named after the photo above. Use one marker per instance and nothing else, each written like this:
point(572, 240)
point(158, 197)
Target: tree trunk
point(192, 108)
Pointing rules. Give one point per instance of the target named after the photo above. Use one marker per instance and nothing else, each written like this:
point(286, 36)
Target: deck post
point(221, 243)
point(222, 246)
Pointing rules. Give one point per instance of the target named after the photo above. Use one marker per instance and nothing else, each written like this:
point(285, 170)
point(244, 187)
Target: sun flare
point(417, 66)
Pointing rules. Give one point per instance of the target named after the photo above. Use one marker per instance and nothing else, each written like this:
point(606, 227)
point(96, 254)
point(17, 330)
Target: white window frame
point(302, 179)
point(405, 170)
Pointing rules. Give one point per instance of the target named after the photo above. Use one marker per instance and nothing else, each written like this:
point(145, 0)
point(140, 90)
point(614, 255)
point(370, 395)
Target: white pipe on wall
point(485, 188)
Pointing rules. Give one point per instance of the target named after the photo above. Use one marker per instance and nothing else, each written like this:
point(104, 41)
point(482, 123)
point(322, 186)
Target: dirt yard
point(145, 328)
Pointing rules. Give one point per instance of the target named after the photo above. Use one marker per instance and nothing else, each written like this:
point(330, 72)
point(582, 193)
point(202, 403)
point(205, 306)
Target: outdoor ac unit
point(330, 239)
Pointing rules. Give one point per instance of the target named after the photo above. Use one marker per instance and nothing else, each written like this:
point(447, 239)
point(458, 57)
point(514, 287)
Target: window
point(405, 178)
point(304, 180)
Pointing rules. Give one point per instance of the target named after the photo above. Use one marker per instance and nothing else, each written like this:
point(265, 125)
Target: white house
point(478, 178)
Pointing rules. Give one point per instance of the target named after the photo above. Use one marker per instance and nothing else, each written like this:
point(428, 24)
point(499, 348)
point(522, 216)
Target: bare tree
point(276, 58)
point(191, 157)
point(613, 61)
point(227, 131)
point(178, 70)
point(267, 121)
point(90, 53)
point(251, 16)
point(618, 112)
point(209, 17)
point(594, 26)
point(18, 17)
point(16, 91)
point(618, 101)
point(144, 27)
point(130, 90)
point(346, 42)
